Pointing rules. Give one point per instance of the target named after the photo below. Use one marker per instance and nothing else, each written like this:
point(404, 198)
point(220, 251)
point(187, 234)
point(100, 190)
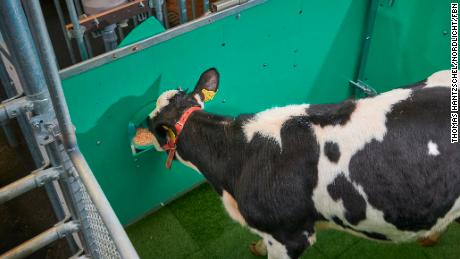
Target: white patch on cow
point(162, 101)
point(367, 123)
point(440, 78)
point(311, 238)
point(268, 123)
point(275, 249)
point(231, 206)
point(433, 148)
point(198, 99)
point(187, 163)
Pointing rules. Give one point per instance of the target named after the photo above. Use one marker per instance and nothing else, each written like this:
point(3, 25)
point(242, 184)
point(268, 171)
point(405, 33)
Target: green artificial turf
point(196, 226)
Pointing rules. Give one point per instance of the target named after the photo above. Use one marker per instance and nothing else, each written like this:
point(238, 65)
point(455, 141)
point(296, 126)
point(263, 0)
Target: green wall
point(410, 41)
point(273, 54)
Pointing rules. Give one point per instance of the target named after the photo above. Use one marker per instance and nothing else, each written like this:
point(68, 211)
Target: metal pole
point(77, 31)
point(106, 212)
point(30, 73)
point(25, 58)
point(158, 6)
point(27, 183)
point(78, 7)
point(205, 6)
point(6, 126)
point(40, 241)
point(109, 36)
point(80, 12)
point(183, 11)
point(22, 55)
point(193, 9)
point(57, 5)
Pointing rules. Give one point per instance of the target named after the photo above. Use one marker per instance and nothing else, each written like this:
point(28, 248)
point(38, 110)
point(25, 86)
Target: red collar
point(172, 143)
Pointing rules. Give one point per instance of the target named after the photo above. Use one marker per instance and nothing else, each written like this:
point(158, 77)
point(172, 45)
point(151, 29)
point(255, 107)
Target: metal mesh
point(97, 237)
point(94, 232)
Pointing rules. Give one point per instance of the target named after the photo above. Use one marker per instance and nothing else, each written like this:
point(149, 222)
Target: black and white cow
point(381, 167)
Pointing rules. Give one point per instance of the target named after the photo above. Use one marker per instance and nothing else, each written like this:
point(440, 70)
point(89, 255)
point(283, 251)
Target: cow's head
point(171, 105)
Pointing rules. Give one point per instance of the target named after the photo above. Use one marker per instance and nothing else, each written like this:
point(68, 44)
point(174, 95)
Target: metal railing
point(79, 26)
point(85, 217)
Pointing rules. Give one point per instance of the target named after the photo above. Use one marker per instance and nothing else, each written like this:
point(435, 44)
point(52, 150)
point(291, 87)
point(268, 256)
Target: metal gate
point(36, 101)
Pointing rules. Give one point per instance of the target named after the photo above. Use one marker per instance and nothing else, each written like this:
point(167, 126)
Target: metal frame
point(49, 236)
point(46, 123)
point(78, 31)
point(138, 46)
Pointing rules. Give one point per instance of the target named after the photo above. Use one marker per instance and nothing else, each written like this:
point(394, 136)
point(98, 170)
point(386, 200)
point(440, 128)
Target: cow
point(380, 167)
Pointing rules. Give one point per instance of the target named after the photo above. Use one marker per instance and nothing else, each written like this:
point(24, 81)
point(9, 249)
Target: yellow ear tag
point(171, 134)
point(208, 95)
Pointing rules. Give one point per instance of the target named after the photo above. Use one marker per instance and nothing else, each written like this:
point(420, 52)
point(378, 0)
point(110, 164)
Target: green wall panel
point(410, 41)
point(277, 53)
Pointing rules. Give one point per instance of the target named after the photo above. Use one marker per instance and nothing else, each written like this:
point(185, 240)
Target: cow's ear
point(207, 85)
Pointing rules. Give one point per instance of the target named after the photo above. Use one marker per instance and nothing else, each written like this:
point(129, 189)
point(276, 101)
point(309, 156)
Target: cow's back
point(397, 169)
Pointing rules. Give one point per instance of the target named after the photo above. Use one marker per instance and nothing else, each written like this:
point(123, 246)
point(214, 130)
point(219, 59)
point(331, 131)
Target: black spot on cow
point(332, 151)
point(412, 190)
point(371, 235)
point(331, 114)
point(270, 242)
point(354, 203)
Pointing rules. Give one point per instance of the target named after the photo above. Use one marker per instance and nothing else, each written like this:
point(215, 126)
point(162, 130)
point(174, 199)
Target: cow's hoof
point(258, 248)
point(429, 241)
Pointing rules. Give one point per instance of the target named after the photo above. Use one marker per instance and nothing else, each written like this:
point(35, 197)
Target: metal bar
point(193, 9)
point(80, 12)
point(12, 108)
point(89, 48)
point(57, 5)
point(29, 182)
point(183, 11)
point(109, 37)
point(118, 234)
point(19, 42)
point(164, 11)
point(41, 241)
point(154, 40)
point(25, 59)
point(69, 186)
point(205, 6)
point(158, 6)
point(78, 7)
point(77, 31)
